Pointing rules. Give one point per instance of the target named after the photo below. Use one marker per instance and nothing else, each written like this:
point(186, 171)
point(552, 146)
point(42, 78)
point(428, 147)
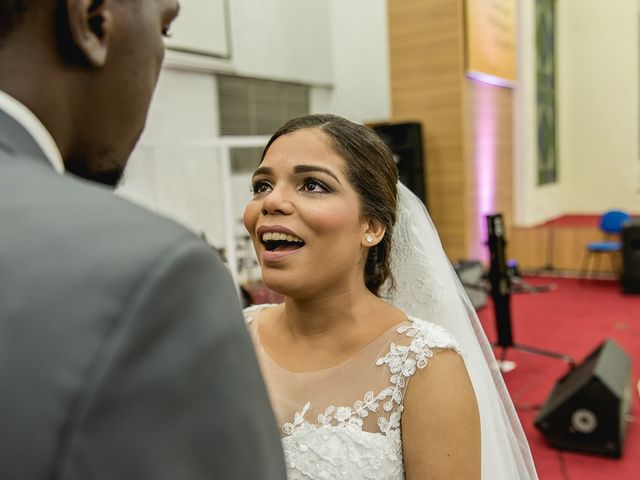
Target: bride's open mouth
point(281, 242)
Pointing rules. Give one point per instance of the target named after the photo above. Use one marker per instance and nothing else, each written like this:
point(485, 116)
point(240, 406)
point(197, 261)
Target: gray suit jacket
point(123, 352)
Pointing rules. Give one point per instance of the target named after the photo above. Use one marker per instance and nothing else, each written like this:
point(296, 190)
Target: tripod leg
point(547, 353)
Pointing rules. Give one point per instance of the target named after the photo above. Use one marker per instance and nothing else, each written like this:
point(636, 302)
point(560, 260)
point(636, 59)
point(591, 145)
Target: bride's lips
point(272, 256)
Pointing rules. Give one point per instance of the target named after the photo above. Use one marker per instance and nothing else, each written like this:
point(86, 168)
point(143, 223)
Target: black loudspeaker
point(405, 141)
point(587, 409)
point(630, 277)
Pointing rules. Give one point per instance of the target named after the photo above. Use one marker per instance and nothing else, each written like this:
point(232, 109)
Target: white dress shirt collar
point(25, 117)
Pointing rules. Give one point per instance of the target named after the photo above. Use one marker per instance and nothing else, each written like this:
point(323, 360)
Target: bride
point(375, 363)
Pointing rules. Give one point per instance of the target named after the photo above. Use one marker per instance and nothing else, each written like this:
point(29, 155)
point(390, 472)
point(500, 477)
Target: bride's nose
point(278, 201)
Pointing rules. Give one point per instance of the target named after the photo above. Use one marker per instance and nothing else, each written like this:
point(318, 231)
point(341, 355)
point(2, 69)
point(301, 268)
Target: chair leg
point(617, 265)
point(585, 264)
point(597, 263)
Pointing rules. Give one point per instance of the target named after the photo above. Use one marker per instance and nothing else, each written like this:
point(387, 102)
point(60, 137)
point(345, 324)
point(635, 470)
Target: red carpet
point(574, 319)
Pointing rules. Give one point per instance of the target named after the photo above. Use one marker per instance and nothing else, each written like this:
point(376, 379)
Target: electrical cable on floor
point(563, 466)
point(528, 406)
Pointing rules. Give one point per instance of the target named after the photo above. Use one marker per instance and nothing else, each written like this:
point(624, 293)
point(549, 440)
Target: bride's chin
point(285, 285)
point(276, 283)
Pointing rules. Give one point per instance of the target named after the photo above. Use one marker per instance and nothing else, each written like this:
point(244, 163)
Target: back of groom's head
point(87, 69)
point(11, 12)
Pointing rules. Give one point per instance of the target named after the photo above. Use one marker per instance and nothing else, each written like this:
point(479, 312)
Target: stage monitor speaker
point(630, 277)
point(405, 141)
point(587, 409)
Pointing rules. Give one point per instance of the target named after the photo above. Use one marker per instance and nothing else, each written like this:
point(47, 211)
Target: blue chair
point(611, 223)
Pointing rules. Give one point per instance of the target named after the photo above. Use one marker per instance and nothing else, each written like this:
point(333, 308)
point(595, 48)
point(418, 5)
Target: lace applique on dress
point(334, 445)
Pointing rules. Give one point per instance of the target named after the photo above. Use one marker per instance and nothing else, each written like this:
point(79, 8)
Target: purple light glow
point(490, 79)
point(485, 164)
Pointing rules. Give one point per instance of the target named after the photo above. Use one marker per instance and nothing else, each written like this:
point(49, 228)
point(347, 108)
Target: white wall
point(360, 46)
point(202, 27)
point(597, 111)
point(286, 40)
point(598, 103)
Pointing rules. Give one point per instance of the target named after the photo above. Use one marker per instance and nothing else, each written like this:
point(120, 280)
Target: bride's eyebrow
point(263, 171)
point(315, 168)
point(299, 169)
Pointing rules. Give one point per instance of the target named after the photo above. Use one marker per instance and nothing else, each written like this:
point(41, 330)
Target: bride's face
point(305, 218)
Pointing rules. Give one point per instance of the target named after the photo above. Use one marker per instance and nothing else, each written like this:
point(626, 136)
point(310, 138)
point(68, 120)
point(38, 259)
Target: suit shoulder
point(82, 222)
point(108, 212)
point(121, 211)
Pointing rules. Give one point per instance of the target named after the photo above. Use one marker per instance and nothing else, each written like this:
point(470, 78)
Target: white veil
point(427, 287)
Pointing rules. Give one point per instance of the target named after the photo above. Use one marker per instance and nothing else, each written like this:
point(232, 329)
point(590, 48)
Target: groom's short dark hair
point(12, 13)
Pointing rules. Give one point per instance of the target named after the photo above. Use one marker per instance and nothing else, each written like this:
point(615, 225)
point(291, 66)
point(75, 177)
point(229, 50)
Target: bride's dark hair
point(373, 174)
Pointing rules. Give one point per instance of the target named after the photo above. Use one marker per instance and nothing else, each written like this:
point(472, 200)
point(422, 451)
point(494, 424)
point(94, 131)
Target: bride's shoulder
point(414, 344)
point(252, 312)
point(422, 335)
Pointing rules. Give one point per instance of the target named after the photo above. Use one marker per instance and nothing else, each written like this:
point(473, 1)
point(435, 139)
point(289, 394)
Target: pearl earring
point(369, 238)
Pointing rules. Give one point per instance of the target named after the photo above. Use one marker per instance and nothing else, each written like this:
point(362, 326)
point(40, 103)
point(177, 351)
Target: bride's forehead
point(303, 143)
point(283, 158)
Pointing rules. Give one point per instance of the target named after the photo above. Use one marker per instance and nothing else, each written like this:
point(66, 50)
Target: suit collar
point(21, 132)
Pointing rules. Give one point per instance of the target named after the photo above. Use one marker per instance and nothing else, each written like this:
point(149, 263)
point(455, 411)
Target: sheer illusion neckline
point(320, 371)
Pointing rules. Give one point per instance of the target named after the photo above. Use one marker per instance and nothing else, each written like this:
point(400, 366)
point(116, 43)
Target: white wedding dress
point(343, 422)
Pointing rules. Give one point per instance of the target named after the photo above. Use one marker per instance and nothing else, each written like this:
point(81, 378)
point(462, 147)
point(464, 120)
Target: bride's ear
point(373, 233)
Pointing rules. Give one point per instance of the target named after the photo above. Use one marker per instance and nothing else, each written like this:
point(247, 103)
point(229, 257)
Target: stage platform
point(557, 245)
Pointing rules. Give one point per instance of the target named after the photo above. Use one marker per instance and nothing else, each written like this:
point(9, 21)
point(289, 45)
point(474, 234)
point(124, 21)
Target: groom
point(123, 354)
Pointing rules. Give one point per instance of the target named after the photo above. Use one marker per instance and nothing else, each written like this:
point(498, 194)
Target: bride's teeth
point(277, 236)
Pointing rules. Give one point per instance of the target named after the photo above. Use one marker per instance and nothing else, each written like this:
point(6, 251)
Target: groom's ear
point(90, 24)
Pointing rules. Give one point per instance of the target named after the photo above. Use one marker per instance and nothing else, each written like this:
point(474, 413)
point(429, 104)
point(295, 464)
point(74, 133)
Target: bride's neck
point(320, 316)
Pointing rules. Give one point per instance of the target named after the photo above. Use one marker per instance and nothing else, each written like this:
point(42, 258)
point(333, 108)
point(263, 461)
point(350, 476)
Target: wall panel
point(426, 67)
point(466, 124)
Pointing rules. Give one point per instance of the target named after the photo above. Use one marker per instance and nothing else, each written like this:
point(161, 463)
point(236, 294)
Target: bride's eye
point(313, 185)
point(260, 187)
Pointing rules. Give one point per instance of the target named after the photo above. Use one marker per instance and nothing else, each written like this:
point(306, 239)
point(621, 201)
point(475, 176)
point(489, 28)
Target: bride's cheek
point(249, 217)
point(332, 219)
